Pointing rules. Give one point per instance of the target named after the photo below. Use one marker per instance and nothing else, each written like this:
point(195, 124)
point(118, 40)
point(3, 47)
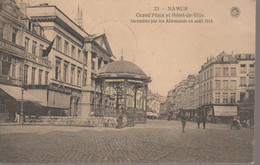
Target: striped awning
point(16, 93)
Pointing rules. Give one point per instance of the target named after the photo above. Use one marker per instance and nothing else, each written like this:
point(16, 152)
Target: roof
point(122, 69)
point(222, 58)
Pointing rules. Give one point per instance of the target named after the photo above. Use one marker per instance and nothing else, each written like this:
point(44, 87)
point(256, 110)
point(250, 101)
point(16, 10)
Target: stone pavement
point(158, 141)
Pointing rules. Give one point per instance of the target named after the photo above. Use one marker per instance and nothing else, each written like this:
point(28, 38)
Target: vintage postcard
point(110, 81)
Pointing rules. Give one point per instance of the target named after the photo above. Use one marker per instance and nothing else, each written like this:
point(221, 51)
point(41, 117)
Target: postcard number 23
point(156, 8)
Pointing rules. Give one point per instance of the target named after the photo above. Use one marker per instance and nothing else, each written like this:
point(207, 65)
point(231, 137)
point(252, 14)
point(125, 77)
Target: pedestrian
point(198, 120)
point(183, 121)
point(17, 117)
point(204, 119)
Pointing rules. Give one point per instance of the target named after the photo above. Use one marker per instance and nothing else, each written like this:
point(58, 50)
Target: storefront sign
point(225, 110)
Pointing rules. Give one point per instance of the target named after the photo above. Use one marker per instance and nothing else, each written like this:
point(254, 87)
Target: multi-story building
point(246, 86)
point(76, 57)
point(153, 104)
point(218, 87)
point(171, 101)
point(44, 52)
point(195, 94)
point(22, 64)
point(11, 43)
point(224, 88)
point(154, 101)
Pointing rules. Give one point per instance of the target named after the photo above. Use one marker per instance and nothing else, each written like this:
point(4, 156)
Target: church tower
point(79, 18)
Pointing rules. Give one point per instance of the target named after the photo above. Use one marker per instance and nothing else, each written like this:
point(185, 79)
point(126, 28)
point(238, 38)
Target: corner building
point(218, 86)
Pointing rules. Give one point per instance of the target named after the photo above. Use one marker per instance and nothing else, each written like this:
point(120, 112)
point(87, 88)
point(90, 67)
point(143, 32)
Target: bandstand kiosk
point(122, 87)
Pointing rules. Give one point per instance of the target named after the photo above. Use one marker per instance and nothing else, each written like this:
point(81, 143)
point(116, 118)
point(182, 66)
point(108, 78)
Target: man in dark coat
point(198, 120)
point(204, 119)
point(183, 121)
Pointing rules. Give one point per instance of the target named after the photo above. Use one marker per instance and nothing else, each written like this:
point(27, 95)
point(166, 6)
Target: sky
point(168, 52)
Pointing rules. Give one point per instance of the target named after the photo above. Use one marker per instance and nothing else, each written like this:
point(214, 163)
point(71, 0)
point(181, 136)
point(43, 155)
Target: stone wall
point(111, 122)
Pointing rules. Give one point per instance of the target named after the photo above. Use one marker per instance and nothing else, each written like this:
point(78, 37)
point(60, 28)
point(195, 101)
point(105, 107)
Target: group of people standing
point(199, 119)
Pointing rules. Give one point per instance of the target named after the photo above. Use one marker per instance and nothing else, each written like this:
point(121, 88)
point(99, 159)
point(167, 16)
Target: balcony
point(11, 48)
point(37, 59)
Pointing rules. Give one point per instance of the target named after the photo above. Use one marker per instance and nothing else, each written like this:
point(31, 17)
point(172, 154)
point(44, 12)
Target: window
point(242, 81)
point(207, 74)
point(233, 72)
point(210, 85)
point(46, 77)
point(34, 44)
point(251, 81)
point(205, 78)
point(232, 97)
point(210, 72)
point(79, 55)
point(41, 50)
point(5, 65)
point(65, 72)
point(242, 96)
point(225, 97)
point(33, 75)
point(26, 68)
point(57, 69)
point(251, 68)
point(243, 68)
point(79, 77)
point(58, 43)
point(233, 84)
point(85, 78)
point(207, 86)
point(72, 74)
point(40, 77)
point(217, 84)
point(217, 97)
point(13, 68)
point(225, 71)
point(225, 84)
point(26, 44)
point(14, 34)
point(66, 47)
point(218, 71)
point(73, 51)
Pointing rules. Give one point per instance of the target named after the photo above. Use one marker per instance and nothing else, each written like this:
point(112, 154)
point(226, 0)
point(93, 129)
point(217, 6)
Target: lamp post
point(21, 114)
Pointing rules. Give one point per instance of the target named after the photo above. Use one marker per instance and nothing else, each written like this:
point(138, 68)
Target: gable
point(103, 42)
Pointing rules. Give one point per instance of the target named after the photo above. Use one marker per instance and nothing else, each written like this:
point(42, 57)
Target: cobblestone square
point(158, 141)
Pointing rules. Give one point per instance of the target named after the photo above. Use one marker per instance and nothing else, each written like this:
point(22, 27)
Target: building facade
point(246, 88)
point(76, 57)
point(51, 59)
point(22, 64)
point(218, 87)
point(224, 88)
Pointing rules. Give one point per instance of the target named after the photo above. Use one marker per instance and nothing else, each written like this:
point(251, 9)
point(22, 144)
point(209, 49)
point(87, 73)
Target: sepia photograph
point(127, 82)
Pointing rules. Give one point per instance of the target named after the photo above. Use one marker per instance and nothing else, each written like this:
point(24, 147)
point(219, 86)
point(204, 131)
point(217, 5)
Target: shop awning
point(16, 93)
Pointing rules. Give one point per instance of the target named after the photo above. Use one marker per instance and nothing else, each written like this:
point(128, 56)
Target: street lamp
point(21, 114)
